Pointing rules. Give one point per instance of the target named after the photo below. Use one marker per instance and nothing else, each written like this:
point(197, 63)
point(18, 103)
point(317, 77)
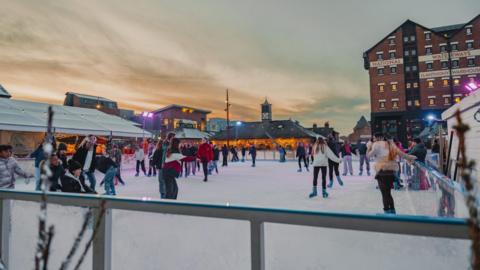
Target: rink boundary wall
point(452, 228)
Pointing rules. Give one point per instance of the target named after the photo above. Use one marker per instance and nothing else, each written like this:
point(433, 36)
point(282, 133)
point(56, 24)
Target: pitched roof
point(89, 97)
point(362, 123)
point(323, 131)
point(448, 28)
point(266, 130)
point(172, 106)
point(4, 93)
point(190, 133)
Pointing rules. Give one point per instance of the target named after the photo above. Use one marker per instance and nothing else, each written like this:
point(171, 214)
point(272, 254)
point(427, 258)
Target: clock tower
point(266, 111)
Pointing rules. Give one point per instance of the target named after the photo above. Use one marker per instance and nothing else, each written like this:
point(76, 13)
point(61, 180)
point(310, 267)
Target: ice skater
point(385, 153)
point(253, 153)
point(301, 155)
point(347, 158)
point(333, 166)
point(171, 169)
point(362, 154)
point(321, 155)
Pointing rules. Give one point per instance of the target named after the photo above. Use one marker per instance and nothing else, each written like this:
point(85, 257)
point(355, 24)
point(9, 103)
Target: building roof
point(362, 123)
point(448, 28)
point(265, 130)
point(21, 115)
point(90, 97)
point(4, 93)
point(190, 133)
point(324, 131)
point(176, 106)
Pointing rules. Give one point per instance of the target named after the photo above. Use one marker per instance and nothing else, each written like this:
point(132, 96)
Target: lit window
point(455, 63)
point(417, 103)
point(392, 55)
point(445, 82)
point(443, 48)
point(428, 36)
point(393, 70)
point(409, 85)
point(468, 31)
point(429, 66)
point(382, 104)
point(394, 86)
point(454, 47)
point(458, 99)
point(471, 62)
point(431, 101)
point(380, 71)
point(381, 88)
point(415, 85)
point(469, 45)
point(456, 82)
point(409, 103)
point(430, 84)
point(447, 100)
point(428, 50)
point(444, 64)
point(395, 104)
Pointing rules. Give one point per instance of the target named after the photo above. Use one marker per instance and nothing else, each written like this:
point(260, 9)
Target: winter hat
point(62, 146)
point(73, 165)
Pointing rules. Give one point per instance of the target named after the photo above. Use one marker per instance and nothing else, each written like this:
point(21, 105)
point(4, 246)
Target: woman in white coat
point(321, 155)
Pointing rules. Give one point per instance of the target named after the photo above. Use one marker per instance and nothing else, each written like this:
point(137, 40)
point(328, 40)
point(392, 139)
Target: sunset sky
point(305, 56)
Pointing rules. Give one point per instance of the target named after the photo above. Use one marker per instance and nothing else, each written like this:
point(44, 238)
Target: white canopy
point(190, 133)
point(20, 115)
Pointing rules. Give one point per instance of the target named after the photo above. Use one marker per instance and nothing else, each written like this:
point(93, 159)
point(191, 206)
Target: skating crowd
point(168, 160)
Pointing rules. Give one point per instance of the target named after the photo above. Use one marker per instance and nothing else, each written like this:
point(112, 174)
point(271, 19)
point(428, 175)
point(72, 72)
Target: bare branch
point(78, 239)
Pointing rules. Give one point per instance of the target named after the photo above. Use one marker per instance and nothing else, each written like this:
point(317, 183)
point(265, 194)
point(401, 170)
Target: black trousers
point(151, 168)
point(205, 169)
point(171, 187)
point(225, 160)
point(316, 170)
point(142, 164)
point(332, 166)
point(385, 184)
point(300, 158)
point(254, 157)
point(119, 177)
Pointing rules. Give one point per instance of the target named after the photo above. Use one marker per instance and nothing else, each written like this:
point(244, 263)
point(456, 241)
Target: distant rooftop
point(448, 28)
point(361, 123)
point(179, 107)
point(89, 97)
point(4, 93)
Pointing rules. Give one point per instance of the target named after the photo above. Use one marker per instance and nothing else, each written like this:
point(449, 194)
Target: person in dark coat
point(301, 155)
point(253, 153)
point(244, 151)
point(332, 165)
point(106, 165)
point(225, 155)
point(86, 156)
point(39, 156)
point(362, 154)
point(71, 180)
point(62, 155)
point(419, 150)
point(216, 157)
point(57, 171)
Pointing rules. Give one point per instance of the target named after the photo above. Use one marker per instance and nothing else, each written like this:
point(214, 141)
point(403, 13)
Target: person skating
point(117, 157)
point(385, 153)
point(252, 151)
point(224, 155)
point(362, 153)
point(107, 166)
point(282, 152)
point(346, 151)
point(151, 166)
point(72, 180)
point(244, 152)
point(419, 150)
point(192, 159)
point(171, 169)
point(165, 145)
point(216, 157)
point(205, 155)
point(9, 168)
point(140, 158)
point(301, 155)
point(321, 155)
point(57, 171)
point(39, 156)
point(86, 156)
point(333, 166)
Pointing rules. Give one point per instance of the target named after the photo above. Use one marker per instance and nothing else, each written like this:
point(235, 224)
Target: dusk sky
point(305, 56)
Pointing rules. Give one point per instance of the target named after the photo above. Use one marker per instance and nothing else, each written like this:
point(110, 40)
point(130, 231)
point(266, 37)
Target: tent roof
point(190, 133)
point(21, 115)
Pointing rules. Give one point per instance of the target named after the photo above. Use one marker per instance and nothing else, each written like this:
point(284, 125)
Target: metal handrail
point(406, 225)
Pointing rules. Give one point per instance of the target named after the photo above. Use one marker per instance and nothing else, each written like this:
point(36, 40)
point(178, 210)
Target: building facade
point(175, 117)
point(361, 131)
point(416, 71)
point(91, 102)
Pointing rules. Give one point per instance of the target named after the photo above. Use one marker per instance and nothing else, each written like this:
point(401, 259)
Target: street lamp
point(238, 124)
point(145, 115)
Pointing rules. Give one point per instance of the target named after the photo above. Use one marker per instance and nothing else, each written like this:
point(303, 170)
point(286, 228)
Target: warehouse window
point(382, 104)
point(456, 82)
point(430, 84)
point(468, 31)
point(429, 66)
point(381, 88)
point(443, 48)
point(428, 36)
point(444, 64)
point(393, 86)
point(393, 70)
point(431, 101)
point(428, 50)
point(392, 55)
point(445, 82)
point(380, 71)
point(469, 45)
point(455, 64)
point(471, 62)
point(395, 104)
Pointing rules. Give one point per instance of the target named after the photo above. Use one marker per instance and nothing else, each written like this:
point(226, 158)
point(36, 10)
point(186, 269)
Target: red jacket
point(205, 152)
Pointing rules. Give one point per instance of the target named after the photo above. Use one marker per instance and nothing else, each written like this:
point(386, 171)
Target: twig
point(466, 168)
point(46, 251)
point(99, 219)
point(77, 241)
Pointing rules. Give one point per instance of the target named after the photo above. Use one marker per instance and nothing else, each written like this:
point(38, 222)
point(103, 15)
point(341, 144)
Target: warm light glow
point(239, 123)
point(457, 99)
point(472, 86)
point(99, 106)
point(147, 114)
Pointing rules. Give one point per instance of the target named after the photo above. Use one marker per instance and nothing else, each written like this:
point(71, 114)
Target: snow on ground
point(156, 241)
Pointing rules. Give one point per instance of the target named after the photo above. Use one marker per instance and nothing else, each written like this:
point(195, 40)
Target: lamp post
point(145, 115)
point(227, 110)
point(238, 124)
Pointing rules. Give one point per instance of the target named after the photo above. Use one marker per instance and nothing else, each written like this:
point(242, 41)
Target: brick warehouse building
point(411, 73)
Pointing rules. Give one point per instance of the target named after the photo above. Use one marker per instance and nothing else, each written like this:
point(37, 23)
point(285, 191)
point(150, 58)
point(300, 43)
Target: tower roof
point(266, 102)
point(4, 93)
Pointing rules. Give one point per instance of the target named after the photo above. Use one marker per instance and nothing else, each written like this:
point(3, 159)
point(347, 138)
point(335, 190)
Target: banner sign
point(445, 72)
point(444, 56)
point(389, 62)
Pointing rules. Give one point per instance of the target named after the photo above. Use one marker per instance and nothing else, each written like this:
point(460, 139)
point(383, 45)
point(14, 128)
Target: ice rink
point(156, 241)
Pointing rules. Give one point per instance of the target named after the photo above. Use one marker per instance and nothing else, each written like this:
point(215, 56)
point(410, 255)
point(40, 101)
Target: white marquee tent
point(20, 115)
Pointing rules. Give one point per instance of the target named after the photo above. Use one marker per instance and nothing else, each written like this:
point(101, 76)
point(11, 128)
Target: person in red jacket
point(205, 154)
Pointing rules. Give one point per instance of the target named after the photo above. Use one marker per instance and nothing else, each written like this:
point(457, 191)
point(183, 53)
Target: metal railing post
point(5, 224)
point(102, 244)
point(257, 245)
